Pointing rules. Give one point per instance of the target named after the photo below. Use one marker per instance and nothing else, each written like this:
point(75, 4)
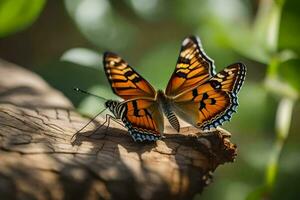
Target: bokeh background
point(63, 41)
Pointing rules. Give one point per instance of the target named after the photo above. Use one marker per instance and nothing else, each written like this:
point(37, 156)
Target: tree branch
point(39, 161)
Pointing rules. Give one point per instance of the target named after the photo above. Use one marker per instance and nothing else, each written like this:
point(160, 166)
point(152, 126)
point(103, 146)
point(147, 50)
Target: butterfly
point(195, 93)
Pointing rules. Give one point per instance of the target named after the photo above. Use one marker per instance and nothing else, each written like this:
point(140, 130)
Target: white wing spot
point(185, 41)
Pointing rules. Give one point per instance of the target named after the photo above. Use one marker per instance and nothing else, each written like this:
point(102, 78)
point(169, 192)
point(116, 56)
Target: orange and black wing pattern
point(125, 81)
point(193, 67)
point(213, 102)
point(143, 119)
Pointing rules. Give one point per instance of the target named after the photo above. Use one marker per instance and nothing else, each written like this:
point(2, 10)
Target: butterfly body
point(195, 93)
point(116, 108)
point(166, 107)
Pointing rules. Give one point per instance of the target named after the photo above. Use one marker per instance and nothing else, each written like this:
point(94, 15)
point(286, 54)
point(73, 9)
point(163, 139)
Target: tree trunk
point(38, 160)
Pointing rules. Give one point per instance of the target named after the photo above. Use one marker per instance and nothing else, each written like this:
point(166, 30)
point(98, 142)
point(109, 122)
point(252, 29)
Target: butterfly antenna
point(88, 93)
point(88, 123)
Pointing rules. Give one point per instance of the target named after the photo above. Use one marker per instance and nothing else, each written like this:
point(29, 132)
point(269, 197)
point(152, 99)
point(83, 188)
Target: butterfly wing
point(124, 80)
point(143, 119)
point(193, 67)
point(213, 102)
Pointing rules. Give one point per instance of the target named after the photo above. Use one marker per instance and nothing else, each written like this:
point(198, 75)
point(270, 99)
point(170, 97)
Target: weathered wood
point(39, 161)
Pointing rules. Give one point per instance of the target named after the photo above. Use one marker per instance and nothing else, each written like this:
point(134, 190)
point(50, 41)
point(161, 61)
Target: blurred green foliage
point(289, 71)
point(97, 20)
point(263, 34)
point(16, 15)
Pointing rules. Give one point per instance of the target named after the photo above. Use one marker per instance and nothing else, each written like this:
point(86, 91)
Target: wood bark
point(38, 160)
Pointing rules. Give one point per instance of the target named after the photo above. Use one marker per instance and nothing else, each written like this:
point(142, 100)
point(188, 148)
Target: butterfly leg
point(107, 120)
point(78, 132)
point(108, 117)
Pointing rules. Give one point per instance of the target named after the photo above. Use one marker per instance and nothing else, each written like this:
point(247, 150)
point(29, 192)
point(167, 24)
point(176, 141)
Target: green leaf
point(266, 25)
point(83, 57)
point(289, 27)
point(289, 72)
point(16, 15)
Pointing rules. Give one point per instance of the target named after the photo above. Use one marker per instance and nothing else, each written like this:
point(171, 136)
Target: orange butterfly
point(195, 93)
